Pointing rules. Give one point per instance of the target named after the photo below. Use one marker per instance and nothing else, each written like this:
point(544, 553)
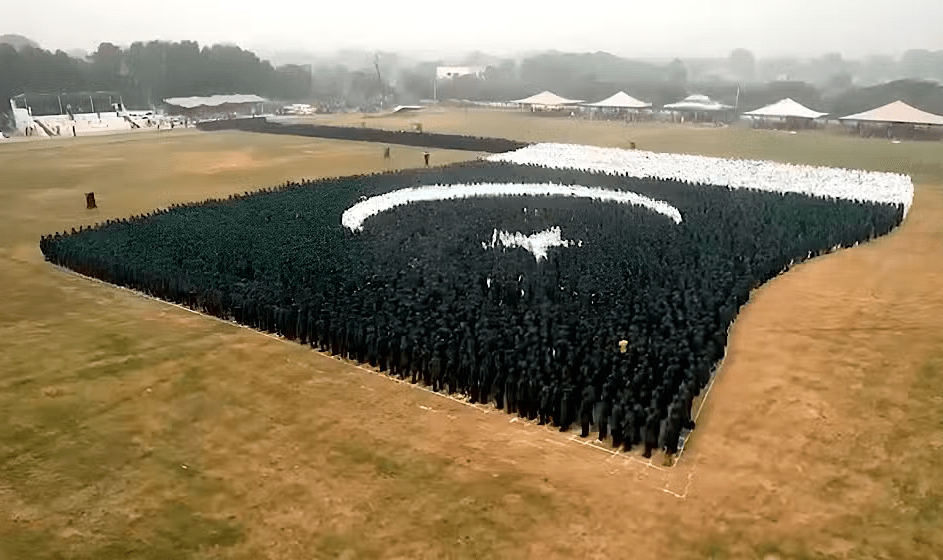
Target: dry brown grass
point(134, 429)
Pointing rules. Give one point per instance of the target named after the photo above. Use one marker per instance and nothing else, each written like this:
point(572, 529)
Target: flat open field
point(130, 428)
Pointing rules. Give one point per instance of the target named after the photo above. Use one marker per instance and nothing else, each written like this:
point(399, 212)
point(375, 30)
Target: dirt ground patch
point(135, 429)
point(214, 162)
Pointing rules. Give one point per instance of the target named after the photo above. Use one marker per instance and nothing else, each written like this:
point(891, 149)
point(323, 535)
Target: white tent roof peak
point(896, 112)
point(786, 108)
point(697, 98)
point(621, 100)
point(547, 98)
point(697, 102)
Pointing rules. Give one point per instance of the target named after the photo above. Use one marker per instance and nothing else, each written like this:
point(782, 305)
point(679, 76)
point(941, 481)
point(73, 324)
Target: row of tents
point(897, 112)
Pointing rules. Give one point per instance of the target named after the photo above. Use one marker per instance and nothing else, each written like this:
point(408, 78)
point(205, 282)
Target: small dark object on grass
point(632, 145)
point(90, 201)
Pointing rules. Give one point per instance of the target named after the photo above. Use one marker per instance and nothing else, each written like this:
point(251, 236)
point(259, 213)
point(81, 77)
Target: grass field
point(130, 428)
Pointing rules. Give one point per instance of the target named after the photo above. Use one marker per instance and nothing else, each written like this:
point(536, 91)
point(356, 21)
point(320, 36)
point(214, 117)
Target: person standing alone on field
point(425, 156)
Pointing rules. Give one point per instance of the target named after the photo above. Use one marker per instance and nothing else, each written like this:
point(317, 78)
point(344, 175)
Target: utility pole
point(376, 64)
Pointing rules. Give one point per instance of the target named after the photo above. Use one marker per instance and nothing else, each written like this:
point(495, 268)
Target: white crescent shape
point(354, 217)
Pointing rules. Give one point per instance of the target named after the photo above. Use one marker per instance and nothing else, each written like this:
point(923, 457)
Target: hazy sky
point(624, 27)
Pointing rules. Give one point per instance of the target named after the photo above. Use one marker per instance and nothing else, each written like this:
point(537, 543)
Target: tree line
point(146, 73)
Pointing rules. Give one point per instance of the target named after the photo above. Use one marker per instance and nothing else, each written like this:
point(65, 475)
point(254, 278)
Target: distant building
point(216, 106)
point(72, 113)
point(299, 109)
point(446, 74)
point(47, 104)
point(452, 72)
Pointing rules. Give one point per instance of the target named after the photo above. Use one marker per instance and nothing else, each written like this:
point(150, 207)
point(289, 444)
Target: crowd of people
point(366, 134)
point(615, 333)
point(828, 182)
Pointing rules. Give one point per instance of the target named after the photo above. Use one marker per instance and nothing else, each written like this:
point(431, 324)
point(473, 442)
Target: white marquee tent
point(786, 108)
point(620, 100)
point(697, 103)
point(547, 99)
point(212, 101)
point(897, 112)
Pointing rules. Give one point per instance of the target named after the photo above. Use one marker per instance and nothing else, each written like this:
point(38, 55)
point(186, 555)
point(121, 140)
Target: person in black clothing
point(370, 342)
point(416, 362)
point(629, 431)
point(395, 359)
point(567, 407)
point(686, 399)
point(384, 355)
point(498, 383)
point(484, 377)
point(474, 390)
point(604, 412)
point(652, 425)
point(523, 396)
point(673, 426)
point(587, 405)
point(510, 392)
point(435, 372)
point(616, 423)
point(545, 407)
point(638, 416)
point(533, 396)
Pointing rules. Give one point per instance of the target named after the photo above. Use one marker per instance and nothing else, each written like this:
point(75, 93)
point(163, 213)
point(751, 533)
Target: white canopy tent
point(547, 99)
point(699, 109)
point(897, 112)
point(214, 106)
point(786, 108)
point(698, 103)
point(620, 100)
point(212, 101)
